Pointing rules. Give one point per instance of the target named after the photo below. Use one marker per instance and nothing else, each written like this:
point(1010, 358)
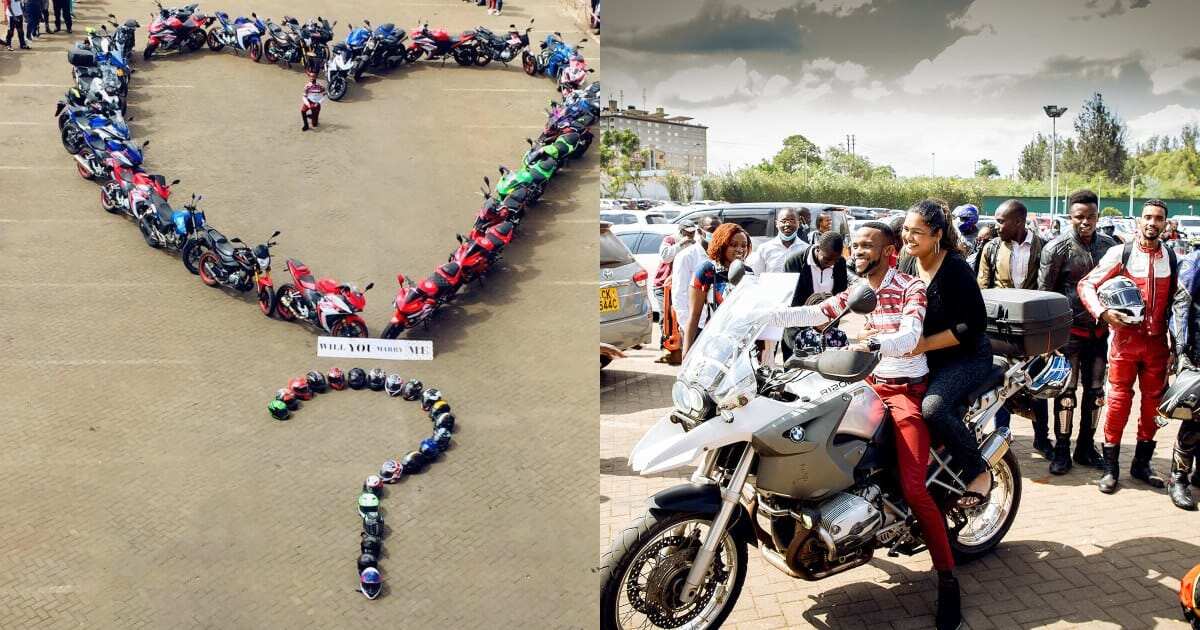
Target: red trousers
point(1132, 355)
point(912, 456)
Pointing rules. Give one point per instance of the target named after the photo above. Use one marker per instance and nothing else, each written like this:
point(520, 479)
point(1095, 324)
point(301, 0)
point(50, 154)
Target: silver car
point(626, 317)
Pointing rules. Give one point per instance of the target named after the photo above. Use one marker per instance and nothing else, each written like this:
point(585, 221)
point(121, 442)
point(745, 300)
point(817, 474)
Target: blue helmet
point(967, 215)
point(371, 582)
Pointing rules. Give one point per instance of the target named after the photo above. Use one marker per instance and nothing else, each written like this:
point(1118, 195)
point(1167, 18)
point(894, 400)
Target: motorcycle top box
point(81, 57)
point(1025, 323)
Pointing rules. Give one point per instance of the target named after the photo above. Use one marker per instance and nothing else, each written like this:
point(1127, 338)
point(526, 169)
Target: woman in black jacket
point(954, 343)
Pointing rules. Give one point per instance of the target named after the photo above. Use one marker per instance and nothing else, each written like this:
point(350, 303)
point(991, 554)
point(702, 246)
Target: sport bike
point(551, 59)
point(330, 306)
point(439, 44)
point(797, 461)
point(124, 36)
point(81, 125)
point(503, 49)
point(495, 210)
point(163, 227)
point(243, 33)
point(233, 264)
point(176, 29)
point(132, 191)
point(383, 49)
point(477, 256)
point(416, 304)
point(93, 159)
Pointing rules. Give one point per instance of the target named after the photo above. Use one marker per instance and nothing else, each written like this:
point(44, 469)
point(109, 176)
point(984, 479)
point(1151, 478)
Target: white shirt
point(14, 9)
point(822, 278)
point(1019, 263)
point(682, 270)
point(770, 256)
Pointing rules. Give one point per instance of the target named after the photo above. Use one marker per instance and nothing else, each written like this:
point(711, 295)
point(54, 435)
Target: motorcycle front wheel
point(483, 58)
point(391, 331)
point(107, 201)
point(266, 301)
point(255, 51)
point(528, 63)
point(413, 54)
point(271, 51)
point(214, 41)
point(149, 52)
point(190, 254)
point(987, 524)
point(644, 570)
point(338, 87)
point(196, 39)
point(352, 327)
point(71, 139)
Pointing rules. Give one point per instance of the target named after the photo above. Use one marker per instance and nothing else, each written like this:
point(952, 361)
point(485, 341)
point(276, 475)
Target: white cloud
point(872, 93)
point(847, 71)
point(1166, 121)
point(840, 8)
point(718, 82)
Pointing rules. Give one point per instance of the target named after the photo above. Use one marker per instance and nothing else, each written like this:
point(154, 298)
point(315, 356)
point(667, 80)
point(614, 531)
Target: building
point(674, 143)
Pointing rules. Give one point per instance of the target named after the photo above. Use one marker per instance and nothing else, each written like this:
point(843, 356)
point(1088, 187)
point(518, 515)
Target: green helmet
point(368, 502)
point(278, 410)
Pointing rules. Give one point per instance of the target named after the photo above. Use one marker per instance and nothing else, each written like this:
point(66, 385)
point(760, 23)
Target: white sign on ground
point(394, 349)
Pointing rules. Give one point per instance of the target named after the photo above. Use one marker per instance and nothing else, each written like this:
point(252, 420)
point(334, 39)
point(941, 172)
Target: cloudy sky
point(963, 79)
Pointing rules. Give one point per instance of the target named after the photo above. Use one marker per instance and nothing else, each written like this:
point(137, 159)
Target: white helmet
point(1121, 295)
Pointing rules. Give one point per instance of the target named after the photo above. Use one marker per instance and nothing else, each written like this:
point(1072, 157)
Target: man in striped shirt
point(894, 329)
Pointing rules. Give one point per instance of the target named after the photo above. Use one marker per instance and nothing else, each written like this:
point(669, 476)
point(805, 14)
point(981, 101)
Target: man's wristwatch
point(873, 344)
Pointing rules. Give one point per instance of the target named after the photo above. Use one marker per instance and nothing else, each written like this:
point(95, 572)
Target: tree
point(797, 153)
point(839, 160)
point(620, 152)
point(679, 188)
point(1101, 140)
point(1188, 136)
point(1034, 162)
point(986, 169)
point(1110, 211)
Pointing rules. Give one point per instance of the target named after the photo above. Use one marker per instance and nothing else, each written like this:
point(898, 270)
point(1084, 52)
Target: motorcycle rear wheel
point(214, 42)
point(359, 69)
point(106, 198)
point(483, 58)
point(987, 524)
point(652, 532)
point(281, 309)
point(465, 56)
point(255, 51)
point(208, 261)
point(148, 232)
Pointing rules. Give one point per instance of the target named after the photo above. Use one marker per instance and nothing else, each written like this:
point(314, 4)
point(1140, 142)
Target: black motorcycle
point(502, 49)
point(124, 36)
point(383, 50)
point(233, 264)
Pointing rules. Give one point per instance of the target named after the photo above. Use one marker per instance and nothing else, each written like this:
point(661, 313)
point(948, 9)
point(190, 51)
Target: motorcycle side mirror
point(460, 238)
point(273, 235)
point(590, 70)
point(145, 144)
point(199, 197)
point(737, 270)
point(503, 170)
point(400, 278)
point(174, 181)
point(583, 40)
point(862, 299)
point(112, 16)
point(254, 15)
point(557, 33)
point(487, 182)
point(368, 287)
point(530, 141)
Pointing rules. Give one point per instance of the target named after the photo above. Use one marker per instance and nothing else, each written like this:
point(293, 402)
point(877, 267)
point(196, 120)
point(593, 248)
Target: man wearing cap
point(683, 267)
point(671, 341)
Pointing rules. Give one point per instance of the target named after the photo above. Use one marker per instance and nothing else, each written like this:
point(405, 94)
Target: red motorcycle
point(511, 209)
point(176, 29)
point(476, 256)
point(325, 303)
point(416, 304)
point(439, 44)
point(132, 191)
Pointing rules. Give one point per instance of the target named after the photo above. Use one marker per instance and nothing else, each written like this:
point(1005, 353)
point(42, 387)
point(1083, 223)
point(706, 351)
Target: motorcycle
point(92, 160)
point(535, 176)
point(573, 75)
point(293, 43)
point(476, 256)
point(511, 209)
point(823, 497)
point(132, 191)
point(502, 49)
point(164, 227)
point(416, 304)
point(565, 146)
point(176, 29)
point(383, 49)
point(348, 56)
point(241, 34)
point(438, 44)
point(551, 59)
point(231, 263)
point(124, 36)
point(80, 125)
point(323, 303)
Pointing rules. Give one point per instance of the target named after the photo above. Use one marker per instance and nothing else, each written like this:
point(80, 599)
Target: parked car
point(626, 318)
point(644, 241)
point(629, 217)
point(1188, 226)
point(758, 219)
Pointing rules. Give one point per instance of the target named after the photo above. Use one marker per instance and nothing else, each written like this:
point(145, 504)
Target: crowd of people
point(25, 18)
point(928, 268)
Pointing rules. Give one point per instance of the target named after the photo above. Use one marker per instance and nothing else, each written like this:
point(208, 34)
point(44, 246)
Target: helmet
point(367, 560)
point(1048, 375)
point(414, 462)
point(372, 524)
point(412, 389)
point(286, 396)
point(1183, 396)
point(966, 216)
point(316, 382)
point(442, 437)
point(1121, 295)
point(394, 384)
point(371, 583)
point(808, 341)
point(373, 484)
point(300, 389)
point(1189, 596)
point(444, 420)
point(835, 338)
point(389, 472)
point(371, 544)
point(437, 408)
point(278, 410)
point(367, 502)
point(337, 380)
point(430, 396)
point(376, 378)
point(429, 448)
point(357, 378)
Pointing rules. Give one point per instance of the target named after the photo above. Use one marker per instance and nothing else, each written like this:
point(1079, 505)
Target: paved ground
point(143, 484)
point(1074, 557)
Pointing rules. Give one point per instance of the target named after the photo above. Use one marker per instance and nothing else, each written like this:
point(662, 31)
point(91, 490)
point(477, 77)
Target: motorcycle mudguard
point(664, 448)
point(701, 498)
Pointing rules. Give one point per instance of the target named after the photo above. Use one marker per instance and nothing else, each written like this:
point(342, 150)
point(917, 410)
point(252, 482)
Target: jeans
point(17, 24)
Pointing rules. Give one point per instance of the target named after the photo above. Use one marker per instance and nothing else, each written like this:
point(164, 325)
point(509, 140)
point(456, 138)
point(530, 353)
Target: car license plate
point(609, 300)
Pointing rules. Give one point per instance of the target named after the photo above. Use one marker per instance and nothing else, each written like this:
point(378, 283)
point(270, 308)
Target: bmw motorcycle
point(243, 33)
point(164, 227)
point(796, 461)
point(439, 44)
point(233, 264)
point(330, 306)
point(176, 29)
point(503, 49)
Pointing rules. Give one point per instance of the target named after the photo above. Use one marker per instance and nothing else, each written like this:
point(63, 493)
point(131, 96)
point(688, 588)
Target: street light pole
point(1053, 111)
point(932, 163)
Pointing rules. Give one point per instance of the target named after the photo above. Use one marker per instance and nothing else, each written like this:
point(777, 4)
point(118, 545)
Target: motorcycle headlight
point(689, 400)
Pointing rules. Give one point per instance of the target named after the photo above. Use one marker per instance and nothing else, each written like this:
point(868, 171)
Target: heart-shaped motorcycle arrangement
point(94, 130)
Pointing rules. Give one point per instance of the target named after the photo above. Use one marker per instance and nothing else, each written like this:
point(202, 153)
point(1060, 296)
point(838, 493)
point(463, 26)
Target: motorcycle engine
point(851, 518)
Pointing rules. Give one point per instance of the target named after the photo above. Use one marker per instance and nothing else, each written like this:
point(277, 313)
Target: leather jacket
point(1064, 262)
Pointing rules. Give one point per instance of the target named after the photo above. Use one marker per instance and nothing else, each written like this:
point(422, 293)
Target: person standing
point(683, 268)
point(819, 268)
point(900, 379)
point(1187, 440)
point(62, 13)
point(1065, 261)
point(310, 102)
point(966, 221)
point(770, 256)
point(671, 338)
point(710, 282)
point(33, 16)
point(1138, 351)
point(14, 17)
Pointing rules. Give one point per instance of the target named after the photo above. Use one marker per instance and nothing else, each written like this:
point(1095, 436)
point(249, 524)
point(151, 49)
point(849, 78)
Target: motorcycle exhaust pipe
point(84, 163)
point(995, 446)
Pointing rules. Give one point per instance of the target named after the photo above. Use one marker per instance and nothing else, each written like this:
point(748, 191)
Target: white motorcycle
point(798, 461)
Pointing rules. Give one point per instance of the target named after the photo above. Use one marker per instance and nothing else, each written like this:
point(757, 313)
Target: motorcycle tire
point(391, 331)
point(208, 260)
point(106, 198)
point(270, 51)
point(465, 56)
point(528, 63)
point(626, 547)
point(148, 232)
point(483, 58)
point(358, 72)
point(413, 54)
point(70, 139)
point(214, 42)
point(149, 52)
point(352, 327)
point(338, 86)
point(266, 301)
point(196, 39)
point(190, 254)
point(255, 51)
point(83, 172)
point(1006, 476)
point(281, 310)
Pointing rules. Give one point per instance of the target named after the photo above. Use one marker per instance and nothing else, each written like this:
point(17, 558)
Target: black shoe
point(1086, 455)
point(949, 604)
point(1181, 494)
point(1060, 463)
point(1112, 469)
point(1044, 446)
point(1140, 468)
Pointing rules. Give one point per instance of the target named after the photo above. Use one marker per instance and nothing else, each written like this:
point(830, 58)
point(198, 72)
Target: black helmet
point(372, 524)
point(412, 389)
point(376, 378)
point(430, 396)
point(337, 380)
point(288, 398)
point(357, 378)
point(371, 544)
point(370, 582)
point(444, 420)
point(278, 410)
point(442, 437)
point(414, 462)
point(1183, 396)
point(394, 384)
point(367, 560)
point(317, 382)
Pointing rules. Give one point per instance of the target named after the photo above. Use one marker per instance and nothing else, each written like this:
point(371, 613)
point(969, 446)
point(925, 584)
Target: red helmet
point(299, 387)
point(337, 380)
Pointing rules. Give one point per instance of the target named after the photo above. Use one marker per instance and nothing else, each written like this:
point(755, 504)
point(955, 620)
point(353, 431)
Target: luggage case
point(1024, 322)
point(81, 57)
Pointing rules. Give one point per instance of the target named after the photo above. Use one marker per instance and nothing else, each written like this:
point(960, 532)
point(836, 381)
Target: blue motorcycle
point(92, 160)
point(244, 33)
point(80, 126)
point(554, 56)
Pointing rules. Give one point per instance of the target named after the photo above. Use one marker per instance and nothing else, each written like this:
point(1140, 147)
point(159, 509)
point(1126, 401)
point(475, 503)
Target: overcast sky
point(962, 79)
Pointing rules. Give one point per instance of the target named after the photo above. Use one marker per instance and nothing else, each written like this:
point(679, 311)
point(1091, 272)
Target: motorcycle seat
point(339, 47)
point(303, 276)
point(327, 285)
point(224, 248)
point(166, 214)
point(994, 378)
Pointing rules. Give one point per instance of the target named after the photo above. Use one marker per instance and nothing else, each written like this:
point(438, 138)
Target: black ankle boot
point(1140, 468)
point(1086, 455)
point(1181, 494)
point(1060, 463)
point(1112, 469)
point(949, 604)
